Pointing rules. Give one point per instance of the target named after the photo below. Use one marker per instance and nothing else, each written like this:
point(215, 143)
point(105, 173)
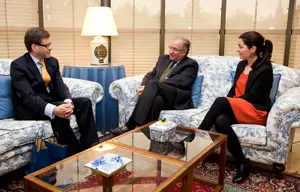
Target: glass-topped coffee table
point(155, 166)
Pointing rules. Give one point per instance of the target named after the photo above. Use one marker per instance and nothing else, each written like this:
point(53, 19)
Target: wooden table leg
point(108, 183)
point(26, 187)
point(222, 164)
point(187, 182)
point(158, 170)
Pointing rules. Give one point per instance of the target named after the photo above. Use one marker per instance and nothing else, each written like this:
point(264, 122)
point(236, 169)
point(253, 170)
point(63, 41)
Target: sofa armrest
point(284, 112)
point(125, 87)
point(5, 66)
point(124, 90)
point(83, 88)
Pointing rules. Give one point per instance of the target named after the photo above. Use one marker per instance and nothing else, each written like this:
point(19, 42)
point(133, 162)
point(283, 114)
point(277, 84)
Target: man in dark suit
point(40, 93)
point(167, 87)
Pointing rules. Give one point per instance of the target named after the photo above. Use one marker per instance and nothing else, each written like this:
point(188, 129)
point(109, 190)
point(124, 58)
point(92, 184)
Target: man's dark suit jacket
point(258, 85)
point(181, 78)
point(30, 93)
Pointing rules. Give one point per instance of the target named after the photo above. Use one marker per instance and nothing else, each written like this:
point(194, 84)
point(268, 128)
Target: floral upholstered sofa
point(16, 137)
point(266, 144)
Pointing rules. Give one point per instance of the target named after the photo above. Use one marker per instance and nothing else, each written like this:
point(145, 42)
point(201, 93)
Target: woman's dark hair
point(264, 47)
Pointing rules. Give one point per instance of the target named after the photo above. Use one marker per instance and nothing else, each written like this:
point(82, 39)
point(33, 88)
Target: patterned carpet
point(259, 180)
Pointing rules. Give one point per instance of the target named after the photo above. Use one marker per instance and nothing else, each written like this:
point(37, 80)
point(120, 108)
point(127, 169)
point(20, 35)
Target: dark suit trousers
point(155, 97)
point(221, 115)
point(86, 123)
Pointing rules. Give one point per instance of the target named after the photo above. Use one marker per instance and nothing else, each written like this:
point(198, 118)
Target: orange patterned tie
point(45, 74)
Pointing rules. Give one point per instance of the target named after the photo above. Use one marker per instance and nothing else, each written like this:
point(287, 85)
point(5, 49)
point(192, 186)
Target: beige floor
point(293, 164)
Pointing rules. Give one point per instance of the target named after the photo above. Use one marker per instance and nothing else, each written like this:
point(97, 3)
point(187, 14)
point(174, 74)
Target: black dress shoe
point(242, 173)
point(190, 137)
point(119, 130)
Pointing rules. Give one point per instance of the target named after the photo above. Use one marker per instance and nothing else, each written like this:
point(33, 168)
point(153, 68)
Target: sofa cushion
point(6, 141)
point(15, 162)
point(251, 134)
point(24, 132)
point(217, 79)
point(196, 90)
point(6, 104)
point(273, 92)
point(188, 117)
point(15, 151)
point(248, 134)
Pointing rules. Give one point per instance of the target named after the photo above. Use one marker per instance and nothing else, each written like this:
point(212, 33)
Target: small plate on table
point(108, 164)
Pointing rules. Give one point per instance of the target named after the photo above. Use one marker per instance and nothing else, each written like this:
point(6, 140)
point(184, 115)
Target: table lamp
point(99, 22)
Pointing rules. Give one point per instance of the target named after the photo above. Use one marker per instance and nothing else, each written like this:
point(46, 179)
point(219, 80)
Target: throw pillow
point(232, 76)
point(6, 104)
point(276, 79)
point(273, 92)
point(196, 90)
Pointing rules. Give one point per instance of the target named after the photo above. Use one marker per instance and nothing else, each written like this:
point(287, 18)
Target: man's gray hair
point(186, 43)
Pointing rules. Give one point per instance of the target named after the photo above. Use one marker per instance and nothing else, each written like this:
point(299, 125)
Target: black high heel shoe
point(242, 173)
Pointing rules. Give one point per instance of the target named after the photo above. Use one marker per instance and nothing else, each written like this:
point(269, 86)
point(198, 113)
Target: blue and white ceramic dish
point(108, 164)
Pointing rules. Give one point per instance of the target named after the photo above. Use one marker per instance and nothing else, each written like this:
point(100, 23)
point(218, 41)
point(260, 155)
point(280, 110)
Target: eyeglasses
point(174, 49)
point(44, 45)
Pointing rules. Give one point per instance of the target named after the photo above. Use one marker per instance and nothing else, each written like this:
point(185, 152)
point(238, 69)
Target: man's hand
point(70, 111)
point(140, 90)
point(64, 110)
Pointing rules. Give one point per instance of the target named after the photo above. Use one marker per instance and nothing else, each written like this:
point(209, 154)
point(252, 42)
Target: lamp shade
point(99, 21)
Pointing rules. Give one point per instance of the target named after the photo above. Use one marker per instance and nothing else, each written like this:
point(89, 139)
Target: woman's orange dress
point(244, 111)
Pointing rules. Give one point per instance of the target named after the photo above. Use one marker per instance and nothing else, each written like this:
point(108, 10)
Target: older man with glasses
point(167, 87)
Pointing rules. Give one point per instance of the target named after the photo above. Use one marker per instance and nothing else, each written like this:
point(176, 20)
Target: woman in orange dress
point(248, 100)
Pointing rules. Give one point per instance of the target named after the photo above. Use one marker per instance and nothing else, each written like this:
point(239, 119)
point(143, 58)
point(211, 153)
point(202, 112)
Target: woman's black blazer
point(258, 86)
